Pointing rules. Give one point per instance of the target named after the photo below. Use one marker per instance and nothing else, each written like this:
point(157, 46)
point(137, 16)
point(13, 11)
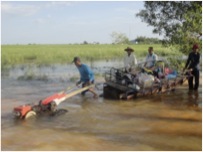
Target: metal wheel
point(30, 114)
point(53, 106)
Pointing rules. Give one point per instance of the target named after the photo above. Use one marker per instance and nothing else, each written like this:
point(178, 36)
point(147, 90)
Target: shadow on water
point(170, 121)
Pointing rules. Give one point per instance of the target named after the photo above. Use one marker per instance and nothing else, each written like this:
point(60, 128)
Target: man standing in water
point(129, 59)
point(192, 65)
point(86, 76)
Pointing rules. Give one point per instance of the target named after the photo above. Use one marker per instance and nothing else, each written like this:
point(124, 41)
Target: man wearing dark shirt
point(192, 65)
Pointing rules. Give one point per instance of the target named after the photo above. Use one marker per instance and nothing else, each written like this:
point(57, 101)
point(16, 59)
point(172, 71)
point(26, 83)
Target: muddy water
point(172, 121)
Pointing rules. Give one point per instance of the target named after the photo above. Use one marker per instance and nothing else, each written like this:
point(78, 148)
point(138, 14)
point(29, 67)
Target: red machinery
point(47, 105)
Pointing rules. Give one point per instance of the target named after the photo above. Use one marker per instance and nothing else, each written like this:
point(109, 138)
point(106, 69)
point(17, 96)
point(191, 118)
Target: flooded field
point(171, 121)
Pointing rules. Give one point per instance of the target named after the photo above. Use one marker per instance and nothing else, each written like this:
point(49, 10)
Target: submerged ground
point(171, 121)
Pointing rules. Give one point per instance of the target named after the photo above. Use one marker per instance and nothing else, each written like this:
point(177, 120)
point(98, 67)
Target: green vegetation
point(63, 54)
point(32, 76)
point(147, 40)
point(180, 22)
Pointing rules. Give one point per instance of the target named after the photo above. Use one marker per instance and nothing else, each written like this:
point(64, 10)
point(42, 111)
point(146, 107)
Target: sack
point(170, 74)
point(145, 80)
point(167, 71)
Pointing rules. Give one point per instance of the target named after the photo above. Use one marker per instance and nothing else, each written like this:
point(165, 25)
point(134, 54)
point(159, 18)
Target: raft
point(120, 84)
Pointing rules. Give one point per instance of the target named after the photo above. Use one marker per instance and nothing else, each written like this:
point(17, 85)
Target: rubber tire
point(30, 114)
point(111, 93)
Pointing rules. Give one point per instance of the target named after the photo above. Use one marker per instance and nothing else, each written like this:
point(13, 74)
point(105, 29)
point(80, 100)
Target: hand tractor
point(47, 105)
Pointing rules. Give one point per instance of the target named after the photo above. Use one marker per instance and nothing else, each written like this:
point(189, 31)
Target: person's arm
point(155, 58)
point(145, 61)
point(87, 72)
point(125, 61)
point(78, 83)
point(188, 61)
point(134, 60)
point(197, 61)
point(132, 63)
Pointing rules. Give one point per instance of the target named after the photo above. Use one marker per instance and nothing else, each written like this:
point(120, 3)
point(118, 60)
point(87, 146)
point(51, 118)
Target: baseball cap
point(75, 59)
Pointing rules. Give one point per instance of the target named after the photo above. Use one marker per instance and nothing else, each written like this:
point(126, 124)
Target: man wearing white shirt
point(151, 59)
point(129, 59)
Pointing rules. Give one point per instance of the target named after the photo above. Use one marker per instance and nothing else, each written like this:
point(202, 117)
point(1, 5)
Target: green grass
point(63, 54)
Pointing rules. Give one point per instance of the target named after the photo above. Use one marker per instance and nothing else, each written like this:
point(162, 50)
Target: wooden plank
point(78, 91)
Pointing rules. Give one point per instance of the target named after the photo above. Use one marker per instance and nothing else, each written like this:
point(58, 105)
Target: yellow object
point(148, 70)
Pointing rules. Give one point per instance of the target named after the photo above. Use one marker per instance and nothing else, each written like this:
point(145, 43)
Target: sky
point(64, 22)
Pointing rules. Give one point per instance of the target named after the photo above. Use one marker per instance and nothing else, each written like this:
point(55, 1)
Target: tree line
point(121, 38)
point(180, 22)
point(147, 40)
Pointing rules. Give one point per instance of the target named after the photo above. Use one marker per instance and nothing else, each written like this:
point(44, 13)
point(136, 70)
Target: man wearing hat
point(192, 65)
point(86, 75)
point(129, 59)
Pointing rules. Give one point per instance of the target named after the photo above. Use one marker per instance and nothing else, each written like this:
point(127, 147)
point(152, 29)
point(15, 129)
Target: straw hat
point(129, 49)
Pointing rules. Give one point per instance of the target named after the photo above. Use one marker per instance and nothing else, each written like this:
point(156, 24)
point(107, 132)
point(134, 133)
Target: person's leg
point(93, 91)
point(90, 90)
point(83, 93)
point(196, 75)
point(190, 82)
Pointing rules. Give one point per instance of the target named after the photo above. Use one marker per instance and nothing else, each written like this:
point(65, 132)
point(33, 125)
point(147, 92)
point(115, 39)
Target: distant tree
point(119, 38)
point(85, 42)
point(95, 42)
point(146, 40)
point(179, 21)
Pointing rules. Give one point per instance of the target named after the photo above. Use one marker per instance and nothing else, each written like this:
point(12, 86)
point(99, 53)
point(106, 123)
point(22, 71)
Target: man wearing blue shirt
point(86, 75)
point(151, 59)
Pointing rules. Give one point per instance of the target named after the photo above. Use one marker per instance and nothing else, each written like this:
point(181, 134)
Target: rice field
point(63, 54)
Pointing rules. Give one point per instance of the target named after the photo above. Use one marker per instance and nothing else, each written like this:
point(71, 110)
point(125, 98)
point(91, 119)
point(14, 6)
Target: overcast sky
point(70, 22)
